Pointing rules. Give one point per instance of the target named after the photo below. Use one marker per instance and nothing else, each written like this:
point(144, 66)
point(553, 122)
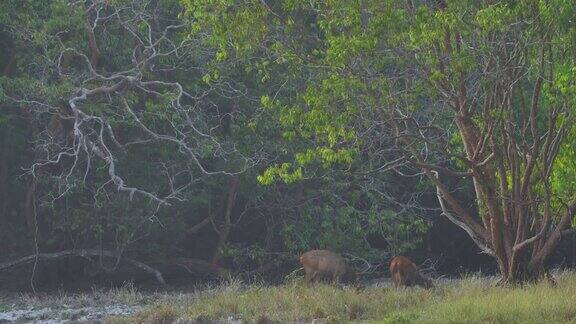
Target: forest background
point(193, 136)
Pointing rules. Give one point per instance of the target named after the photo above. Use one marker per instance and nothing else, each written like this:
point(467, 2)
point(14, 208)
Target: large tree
point(461, 91)
point(504, 73)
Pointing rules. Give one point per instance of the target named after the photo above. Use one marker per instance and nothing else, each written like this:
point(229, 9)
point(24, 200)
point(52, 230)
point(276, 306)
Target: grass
point(471, 300)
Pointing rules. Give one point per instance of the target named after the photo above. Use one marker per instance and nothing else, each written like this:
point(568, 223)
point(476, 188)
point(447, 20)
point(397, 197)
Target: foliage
point(464, 88)
point(340, 120)
point(246, 75)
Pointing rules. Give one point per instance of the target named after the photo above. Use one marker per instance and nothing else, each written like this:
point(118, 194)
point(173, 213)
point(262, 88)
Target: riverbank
point(473, 299)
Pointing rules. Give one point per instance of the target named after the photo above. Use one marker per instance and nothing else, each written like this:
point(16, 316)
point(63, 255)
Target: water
point(64, 314)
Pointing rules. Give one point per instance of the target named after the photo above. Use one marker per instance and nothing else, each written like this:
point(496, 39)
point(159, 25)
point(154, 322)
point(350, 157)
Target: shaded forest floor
point(472, 299)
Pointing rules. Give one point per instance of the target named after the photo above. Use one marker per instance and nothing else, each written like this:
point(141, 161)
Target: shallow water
point(63, 314)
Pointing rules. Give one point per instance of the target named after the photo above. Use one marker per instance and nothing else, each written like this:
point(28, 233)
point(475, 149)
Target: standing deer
point(405, 273)
point(324, 265)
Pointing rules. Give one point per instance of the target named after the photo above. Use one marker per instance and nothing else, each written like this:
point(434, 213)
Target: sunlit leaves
point(233, 25)
point(496, 17)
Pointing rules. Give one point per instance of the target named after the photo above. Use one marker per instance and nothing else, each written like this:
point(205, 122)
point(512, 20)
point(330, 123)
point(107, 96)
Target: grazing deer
point(405, 273)
point(324, 265)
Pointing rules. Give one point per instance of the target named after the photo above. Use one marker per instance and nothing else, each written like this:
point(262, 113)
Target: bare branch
point(82, 253)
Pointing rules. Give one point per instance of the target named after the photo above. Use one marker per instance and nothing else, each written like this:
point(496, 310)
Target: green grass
point(471, 300)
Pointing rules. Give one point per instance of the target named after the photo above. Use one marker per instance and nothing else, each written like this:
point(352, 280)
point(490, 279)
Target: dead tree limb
point(82, 253)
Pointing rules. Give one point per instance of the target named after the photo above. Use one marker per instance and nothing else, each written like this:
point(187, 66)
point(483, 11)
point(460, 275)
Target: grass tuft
point(164, 314)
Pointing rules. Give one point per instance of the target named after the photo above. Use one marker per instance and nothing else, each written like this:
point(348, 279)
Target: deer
point(325, 265)
point(406, 274)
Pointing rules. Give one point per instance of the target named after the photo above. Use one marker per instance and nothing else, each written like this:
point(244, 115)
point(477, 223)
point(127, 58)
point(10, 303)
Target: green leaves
point(496, 17)
point(237, 26)
point(285, 172)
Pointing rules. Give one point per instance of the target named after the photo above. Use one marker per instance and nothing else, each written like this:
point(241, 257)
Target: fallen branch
point(82, 253)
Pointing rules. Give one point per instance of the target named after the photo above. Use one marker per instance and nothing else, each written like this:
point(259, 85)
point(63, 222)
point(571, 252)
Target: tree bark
point(93, 45)
point(224, 231)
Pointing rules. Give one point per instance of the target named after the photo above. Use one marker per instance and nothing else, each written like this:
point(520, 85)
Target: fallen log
point(82, 253)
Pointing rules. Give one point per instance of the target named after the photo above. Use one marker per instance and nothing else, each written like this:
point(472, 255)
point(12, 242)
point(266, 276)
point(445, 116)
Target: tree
point(470, 91)
point(501, 72)
point(125, 117)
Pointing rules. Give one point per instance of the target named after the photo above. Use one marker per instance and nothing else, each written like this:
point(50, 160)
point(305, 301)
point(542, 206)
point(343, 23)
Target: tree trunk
point(224, 231)
point(513, 230)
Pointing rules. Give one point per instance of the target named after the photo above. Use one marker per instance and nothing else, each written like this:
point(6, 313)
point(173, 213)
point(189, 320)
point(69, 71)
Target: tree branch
point(82, 253)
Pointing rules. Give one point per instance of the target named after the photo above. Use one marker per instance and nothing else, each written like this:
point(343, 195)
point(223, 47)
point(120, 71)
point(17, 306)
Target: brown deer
point(324, 265)
point(405, 273)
